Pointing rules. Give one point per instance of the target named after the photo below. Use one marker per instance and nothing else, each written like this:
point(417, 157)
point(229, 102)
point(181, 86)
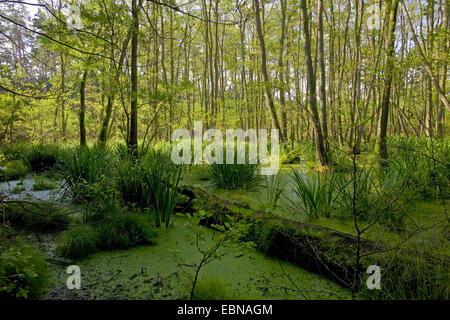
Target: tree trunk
point(322, 78)
point(265, 74)
point(281, 69)
point(322, 156)
point(83, 108)
point(427, 66)
point(380, 144)
point(133, 134)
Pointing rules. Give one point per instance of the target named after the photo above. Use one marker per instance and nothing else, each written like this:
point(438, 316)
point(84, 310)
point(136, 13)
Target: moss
point(328, 252)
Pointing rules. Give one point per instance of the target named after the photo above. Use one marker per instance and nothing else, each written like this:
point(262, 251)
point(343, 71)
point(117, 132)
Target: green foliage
point(274, 189)
point(120, 231)
point(376, 195)
point(232, 176)
point(14, 151)
point(304, 151)
point(14, 169)
point(425, 162)
point(42, 183)
point(43, 157)
point(126, 231)
point(231, 232)
point(410, 276)
point(86, 173)
point(313, 196)
point(36, 216)
point(150, 182)
point(23, 272)
point(77, 242)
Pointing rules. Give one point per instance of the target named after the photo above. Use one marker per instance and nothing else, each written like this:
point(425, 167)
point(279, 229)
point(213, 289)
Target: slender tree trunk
point(427, 65)
point(322, 156)
point(133, 135)
point(281, 69)
point(83, 108)
point(265, 74)
point(380, 144)
point(322, 77)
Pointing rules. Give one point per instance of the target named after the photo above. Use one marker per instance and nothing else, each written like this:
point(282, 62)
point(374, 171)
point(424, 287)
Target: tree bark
point(83, 108)
point(322, 156)
point(380, 144)
point(265, 74)
point(133, 134)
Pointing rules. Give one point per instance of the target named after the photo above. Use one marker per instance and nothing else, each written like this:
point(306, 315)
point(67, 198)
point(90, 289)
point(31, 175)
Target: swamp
point(224, 150)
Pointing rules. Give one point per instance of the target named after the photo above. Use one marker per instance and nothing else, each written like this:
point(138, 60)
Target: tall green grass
point(426, 162)
point(86, 173)
point(77, 242)
point(313, 196)
point(232, 176)
point(150, 182)
point(273, 191)
point(43, 157)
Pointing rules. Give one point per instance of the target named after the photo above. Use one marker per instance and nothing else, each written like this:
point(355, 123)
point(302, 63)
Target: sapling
point(229, 236)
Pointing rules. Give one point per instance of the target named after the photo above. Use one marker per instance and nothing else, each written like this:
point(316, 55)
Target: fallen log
point(327, 252)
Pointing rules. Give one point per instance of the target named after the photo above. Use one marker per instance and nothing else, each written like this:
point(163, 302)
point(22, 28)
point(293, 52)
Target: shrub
point(77, 242)
point(39, 216)
point(23, 272)
point(14, 151)
point(126, 231)
point(14, 169)
point(304, 151)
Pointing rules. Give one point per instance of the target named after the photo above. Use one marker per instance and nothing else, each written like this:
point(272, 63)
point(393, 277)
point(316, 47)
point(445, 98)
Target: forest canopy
point(339, 72)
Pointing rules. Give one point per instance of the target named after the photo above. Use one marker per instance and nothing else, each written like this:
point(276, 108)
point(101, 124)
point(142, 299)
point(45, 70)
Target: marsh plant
point(151, 183)
point(274, 189)
point(234, 175)
point(314, 195)
point(84, 167)
point(43, 157)
point(43, 183)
